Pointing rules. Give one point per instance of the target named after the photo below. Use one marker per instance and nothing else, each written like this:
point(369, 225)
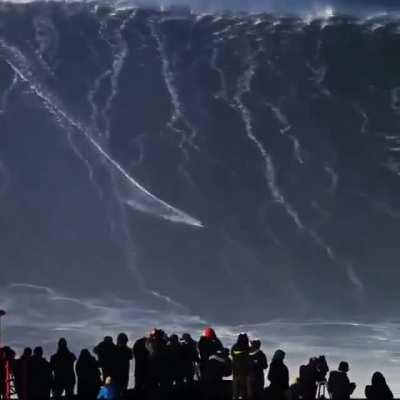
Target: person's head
point(157, 334)
point(108, 380)
point(8, 353)
point(344, 366)
point(186, 338)
point(255, 345)
point(62, 344)
point(378, 379)
point(122, 339)
point(38, 352)
point(279, 356)
point(243, 339)
point(85, 354)
point(209, 333)
point(27, 352)
point(108, 339)
point(174, 339)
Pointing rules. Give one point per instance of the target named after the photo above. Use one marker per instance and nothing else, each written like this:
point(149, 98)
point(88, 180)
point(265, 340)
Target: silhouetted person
point(258, 364)
point(123, 357)
point(62, 366)
point(339, 385)
point(217, 367)
point(378, 390)
point(240, 353)
point(208, 345)
point(88, 374)
point(40, 386)
point(7, 357)
point(22, 374)
point(141, 355)
point(156, 346)
point(108, 391)
point(174, 361)
point(309, 376)
point(105, 352)
point(278, 376)
point(190, 357)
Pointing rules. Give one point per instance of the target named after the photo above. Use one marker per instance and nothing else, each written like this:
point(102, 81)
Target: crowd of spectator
point(177, 367)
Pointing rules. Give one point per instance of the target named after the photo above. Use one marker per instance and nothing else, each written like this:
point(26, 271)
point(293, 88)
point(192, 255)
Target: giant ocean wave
point(279, 134)
point(239, 167)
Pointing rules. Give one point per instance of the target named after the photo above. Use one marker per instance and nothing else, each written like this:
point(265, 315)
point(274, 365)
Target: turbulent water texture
point(235, 167)
point(163, 167)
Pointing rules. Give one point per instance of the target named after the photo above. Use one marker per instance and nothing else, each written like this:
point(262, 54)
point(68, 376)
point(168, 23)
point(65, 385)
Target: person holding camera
point(339, 385)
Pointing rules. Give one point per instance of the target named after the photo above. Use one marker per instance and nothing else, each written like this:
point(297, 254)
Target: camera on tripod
point(313, 378)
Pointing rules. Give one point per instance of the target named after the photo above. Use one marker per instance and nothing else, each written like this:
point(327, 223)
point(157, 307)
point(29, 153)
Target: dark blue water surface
point(232, 168)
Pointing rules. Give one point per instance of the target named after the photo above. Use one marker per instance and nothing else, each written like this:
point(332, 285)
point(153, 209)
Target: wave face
point(245, 167)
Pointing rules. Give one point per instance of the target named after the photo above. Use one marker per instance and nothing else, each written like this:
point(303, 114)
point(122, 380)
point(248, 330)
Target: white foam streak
point(142, 199)
point(333, 176)
point(354, 278)
point(285, 128)
point(120, 52)
point(320, 12)
point(7, 93)
point(382, 205)
point(70, 136)
point(223, 91)
point(168, 300)
point(319, 74)
point(187, 133)
point(244, 87)
point(92, 99)
point(364, 118)
point(139, 141)
point(46, 37)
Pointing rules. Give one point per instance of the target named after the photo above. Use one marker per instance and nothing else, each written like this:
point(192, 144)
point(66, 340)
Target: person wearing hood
point(141, 355)
point(208, 345)
point(240, 353)
point(216, 368)
point(62, 367)
point(41, 376)
point(190, 357)
point(258, 364)
point(88, 373)
point(22, 374)
point(174, 360)
point(156, 345)
point(339, 385)
point(378, 390)
point(106, 354)
point(123, 357)
point(278, 376)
